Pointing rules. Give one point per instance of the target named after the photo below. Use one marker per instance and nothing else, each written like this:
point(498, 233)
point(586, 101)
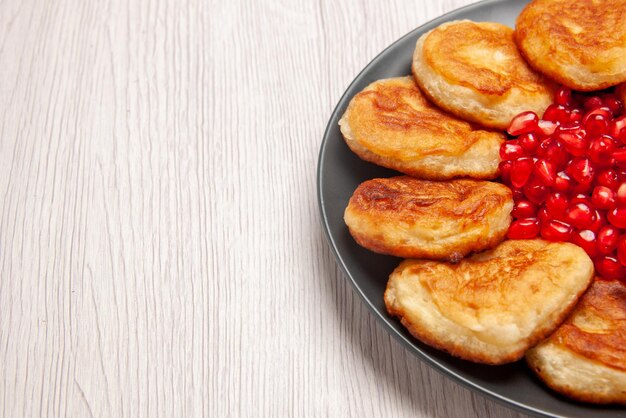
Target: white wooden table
point(160, 247)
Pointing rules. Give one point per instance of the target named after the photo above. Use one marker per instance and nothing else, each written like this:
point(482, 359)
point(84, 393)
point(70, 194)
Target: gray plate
point(340, 172)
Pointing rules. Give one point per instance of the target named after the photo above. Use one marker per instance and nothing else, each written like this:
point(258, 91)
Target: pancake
point(407, 217)
point(390, 123)
point(492, 307)
point(581, 44)
point(475, 71)
point(585, 358)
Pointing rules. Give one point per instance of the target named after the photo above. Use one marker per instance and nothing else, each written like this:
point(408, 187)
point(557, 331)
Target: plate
point(340, 172)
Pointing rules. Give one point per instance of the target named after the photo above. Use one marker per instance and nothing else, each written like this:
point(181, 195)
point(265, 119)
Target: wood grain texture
point(160, 247)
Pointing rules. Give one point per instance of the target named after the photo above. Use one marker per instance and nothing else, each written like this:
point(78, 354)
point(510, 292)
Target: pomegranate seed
point(511, 150)
point(607, 239)
point(556, 113)
point(562, 182)
point(619, 156)
point(524, 209)
point(563, 96)
point(597, 121)
point(529, 142)
point(620, 196)
point(575, 143)
point(575, 116)
point(555, 230)
point(592, 102)
point(556, 205)
point(536, 192)
point(524, 228)
point(603, 197)
point(612, 103)
point(545, 172)
point(523, 123)
point(608, 267)
point(601, 149)
point(621, 250)
point(617, 128)
point(581, 170)
point(586, 240)
point(608, 178)
point(505, 171)
point(580, 215)
point(599, 223)
point(554, 151)
point(617, 217)
point(520, 171)
point(546, 128)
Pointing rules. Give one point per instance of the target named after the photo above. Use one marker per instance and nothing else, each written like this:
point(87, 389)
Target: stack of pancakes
point(463, 288)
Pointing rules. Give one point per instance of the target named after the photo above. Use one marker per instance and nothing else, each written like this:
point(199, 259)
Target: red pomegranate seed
point(581, 170)
point(556, 113)
point(524, 228)
point(586, 240)
point(607, 239)
point(620, 196)
point(617, 129)
point(580, 215)
point(556, 205)
point(536, 192)
point(524, 209)
point(601, 149)
point(555, 230)
point(563, 96)
point(511, 150)
point(575, 116)
point(592, 102)
point(621, 250)
point(575, 143)
point(529, 142)
point(554, 151)
point(612, 103)
point(608, 177)
point(523, 123)
point(563, 182)
point(617, 217)
point(545, 172)
point(619, 156)
point(505, 171)
point(608, 267)
point(520, 171)
point(599, 223)
point(603, 197)
point(546, 127)
point(597, 121)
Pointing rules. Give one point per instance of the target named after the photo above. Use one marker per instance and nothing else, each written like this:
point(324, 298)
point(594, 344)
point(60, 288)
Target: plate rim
point(381, 319)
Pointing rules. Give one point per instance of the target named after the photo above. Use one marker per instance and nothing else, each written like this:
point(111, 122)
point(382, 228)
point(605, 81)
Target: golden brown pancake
point(391, 124)
point(581, 44)
point(475, 71)
point(585, 358)
point(492, 307)
point(407, 217)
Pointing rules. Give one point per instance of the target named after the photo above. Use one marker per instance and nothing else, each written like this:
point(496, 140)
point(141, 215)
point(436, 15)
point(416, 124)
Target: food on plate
point(581, 44)
point(407, 217)
point(585, 358)
point(567, 174)
point(390, 123)
point(475, 71)
point(492, 307)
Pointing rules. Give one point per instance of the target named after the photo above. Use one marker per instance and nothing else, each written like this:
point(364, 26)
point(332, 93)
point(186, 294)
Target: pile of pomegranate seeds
point(567, 171)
